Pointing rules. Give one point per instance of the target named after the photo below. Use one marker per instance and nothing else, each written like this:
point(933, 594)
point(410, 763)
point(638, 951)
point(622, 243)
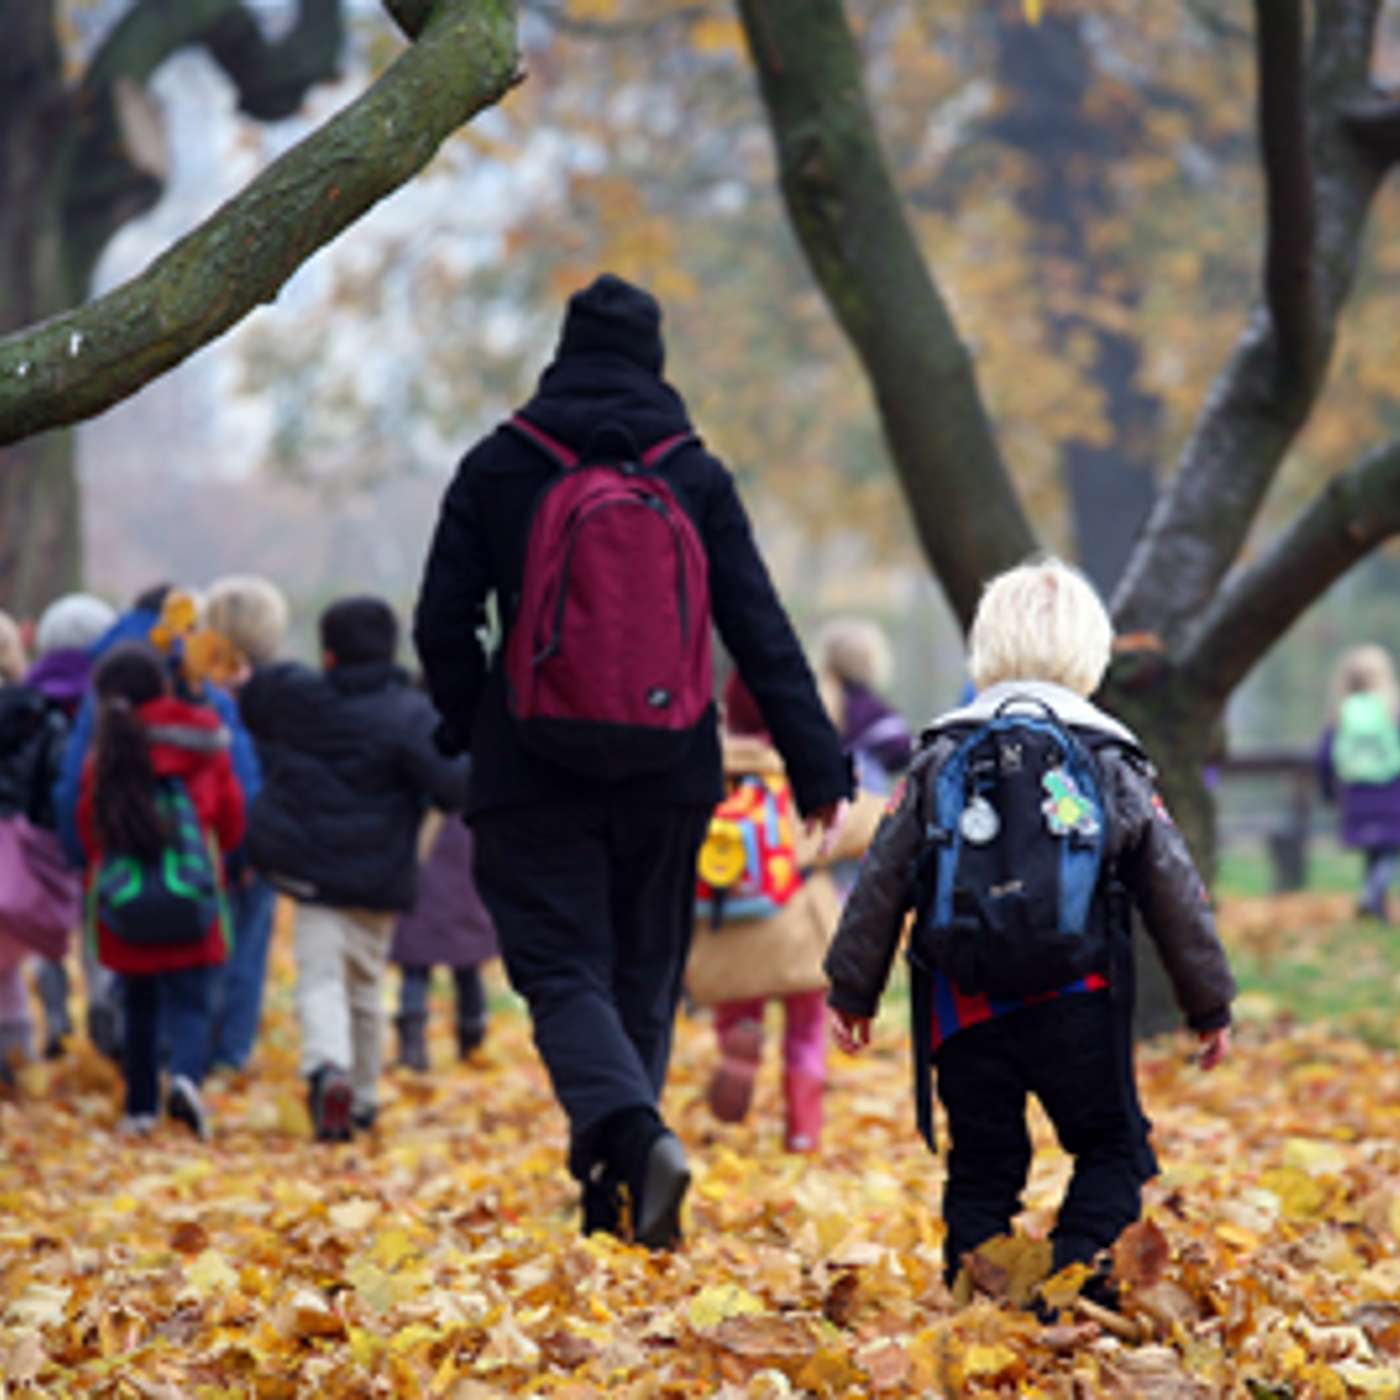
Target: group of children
point(194, 776)
point(1019, 996)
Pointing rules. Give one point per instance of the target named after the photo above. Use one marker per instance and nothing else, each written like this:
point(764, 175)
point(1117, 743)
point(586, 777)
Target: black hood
point(579, 393)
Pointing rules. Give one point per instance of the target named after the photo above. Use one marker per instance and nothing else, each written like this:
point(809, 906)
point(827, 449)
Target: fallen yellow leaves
point(440, 1255)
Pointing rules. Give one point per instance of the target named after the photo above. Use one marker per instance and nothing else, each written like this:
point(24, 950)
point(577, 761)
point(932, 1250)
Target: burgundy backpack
point(607, 662)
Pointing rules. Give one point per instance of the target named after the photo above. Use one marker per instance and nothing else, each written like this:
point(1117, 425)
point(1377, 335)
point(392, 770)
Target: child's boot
point(470, 1034)
point(412, 1028)
point(802, 1094)
point(731, 1086)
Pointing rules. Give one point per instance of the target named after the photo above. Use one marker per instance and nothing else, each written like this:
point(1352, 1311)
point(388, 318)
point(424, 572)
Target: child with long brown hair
point(159, 805)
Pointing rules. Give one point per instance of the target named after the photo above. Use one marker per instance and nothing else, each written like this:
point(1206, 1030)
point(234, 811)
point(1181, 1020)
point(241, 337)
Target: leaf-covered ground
point(439, 1257)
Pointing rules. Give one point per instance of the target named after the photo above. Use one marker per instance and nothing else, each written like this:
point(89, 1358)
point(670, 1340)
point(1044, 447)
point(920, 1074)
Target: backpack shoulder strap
point(562, 456)
point(662, 451)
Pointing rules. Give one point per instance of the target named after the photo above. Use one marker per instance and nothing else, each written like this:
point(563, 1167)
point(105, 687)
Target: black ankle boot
point(602, 1202)
point(658, 1194)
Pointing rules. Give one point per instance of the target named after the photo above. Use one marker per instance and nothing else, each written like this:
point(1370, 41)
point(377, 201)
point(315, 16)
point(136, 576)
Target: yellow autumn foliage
point(439, 1256)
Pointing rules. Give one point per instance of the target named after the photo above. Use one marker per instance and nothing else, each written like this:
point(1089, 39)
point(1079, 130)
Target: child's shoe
point(136, 1125)
point(802, 1094)
point(470, 1034)
point(332, 1103)
point(413, 1041)
point(731, 1086)
point(184, 1104)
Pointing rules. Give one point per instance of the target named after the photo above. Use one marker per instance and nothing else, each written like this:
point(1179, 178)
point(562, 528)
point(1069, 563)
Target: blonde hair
point(854, 649)
point(13, 663)
point(1040, 621)
point(1365, 668)
point(250, 612)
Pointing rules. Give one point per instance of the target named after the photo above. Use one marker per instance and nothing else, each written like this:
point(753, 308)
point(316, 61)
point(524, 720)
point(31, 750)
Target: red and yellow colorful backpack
point(748, 862)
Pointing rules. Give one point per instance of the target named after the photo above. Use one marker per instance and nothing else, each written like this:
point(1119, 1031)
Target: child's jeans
point(340, 957)
point(239, 990)
point(804, 1029)
point(16, 1018)
point(169, 1006)
point(1381, 865)
point(1065, 1052)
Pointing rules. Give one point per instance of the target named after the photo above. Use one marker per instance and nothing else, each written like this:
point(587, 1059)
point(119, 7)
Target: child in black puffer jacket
point(350, 772)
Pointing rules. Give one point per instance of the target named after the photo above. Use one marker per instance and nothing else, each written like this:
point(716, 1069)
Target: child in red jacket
point(159, 804)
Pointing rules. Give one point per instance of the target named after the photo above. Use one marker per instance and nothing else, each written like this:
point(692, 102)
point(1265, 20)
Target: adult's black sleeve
point(755, 628)
point(451, 613)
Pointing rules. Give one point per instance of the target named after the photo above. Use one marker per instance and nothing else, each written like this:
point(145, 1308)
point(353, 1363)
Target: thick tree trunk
point(40, 522)
point(1179, 729)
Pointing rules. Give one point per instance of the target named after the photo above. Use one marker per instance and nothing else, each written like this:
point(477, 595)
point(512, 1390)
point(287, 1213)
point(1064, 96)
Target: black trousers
point(593, 906)
point(1064, 1051)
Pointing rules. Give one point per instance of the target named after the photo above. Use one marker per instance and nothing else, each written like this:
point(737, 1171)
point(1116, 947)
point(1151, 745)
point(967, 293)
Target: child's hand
point(1215, 1045)
point(830, 819)
point(852, 1033)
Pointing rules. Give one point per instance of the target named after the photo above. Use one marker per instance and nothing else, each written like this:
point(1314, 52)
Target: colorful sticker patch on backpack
point(1066, 809)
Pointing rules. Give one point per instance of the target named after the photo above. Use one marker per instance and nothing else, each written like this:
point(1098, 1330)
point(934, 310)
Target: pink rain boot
point(803, 1096)
point(731, 1086)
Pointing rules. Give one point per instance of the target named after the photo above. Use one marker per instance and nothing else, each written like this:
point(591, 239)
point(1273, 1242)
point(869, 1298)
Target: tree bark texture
point(82, 361)
point(849, 220)
point(39, 519)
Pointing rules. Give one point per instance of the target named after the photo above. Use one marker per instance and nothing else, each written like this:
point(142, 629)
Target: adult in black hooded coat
point(591, 884)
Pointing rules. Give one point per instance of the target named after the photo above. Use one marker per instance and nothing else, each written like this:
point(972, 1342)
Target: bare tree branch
point(79, 363)
point(1254, 412)
point(1375, 125)
point(1353, 514)
point(409, 15)
point(113, 181)
point(273, 79)
point(1290, 244)
point(850, 221)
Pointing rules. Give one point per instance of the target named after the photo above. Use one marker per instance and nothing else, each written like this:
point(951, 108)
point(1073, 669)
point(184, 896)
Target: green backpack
point(169, 901)
point(1366, 747)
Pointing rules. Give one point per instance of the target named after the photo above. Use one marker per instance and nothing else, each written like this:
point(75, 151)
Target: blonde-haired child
point(1040, 644)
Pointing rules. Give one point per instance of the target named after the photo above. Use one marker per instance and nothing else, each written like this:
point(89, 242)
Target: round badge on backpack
point(979, 823)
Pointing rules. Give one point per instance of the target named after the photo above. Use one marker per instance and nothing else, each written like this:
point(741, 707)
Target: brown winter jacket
point(782, 953)
point(1149, 851)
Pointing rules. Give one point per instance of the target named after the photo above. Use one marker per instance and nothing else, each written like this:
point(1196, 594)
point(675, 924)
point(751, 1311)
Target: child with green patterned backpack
point(159, 804)
point(1359, 767)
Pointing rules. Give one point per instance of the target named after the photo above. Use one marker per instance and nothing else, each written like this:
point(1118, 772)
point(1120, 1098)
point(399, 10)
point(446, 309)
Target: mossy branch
point(77, 364)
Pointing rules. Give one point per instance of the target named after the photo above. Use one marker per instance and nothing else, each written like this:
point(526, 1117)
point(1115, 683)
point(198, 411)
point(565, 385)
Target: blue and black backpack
point(1015, 895)
point(1012, 875)
point(169, 901)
